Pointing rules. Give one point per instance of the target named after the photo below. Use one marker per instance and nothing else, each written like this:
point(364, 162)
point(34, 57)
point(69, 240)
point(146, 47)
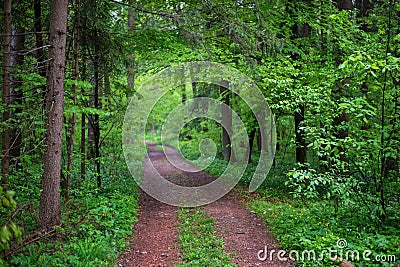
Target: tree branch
point(142, 9)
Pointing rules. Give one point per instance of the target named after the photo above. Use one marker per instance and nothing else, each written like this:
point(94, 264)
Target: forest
point(327, 76)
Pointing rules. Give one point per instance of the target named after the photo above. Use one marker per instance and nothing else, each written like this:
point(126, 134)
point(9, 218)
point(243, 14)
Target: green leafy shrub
point(93, 236)
point(313, 226)
point(9, 231)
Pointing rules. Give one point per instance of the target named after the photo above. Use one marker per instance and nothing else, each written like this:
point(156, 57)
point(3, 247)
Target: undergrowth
point(198, 240)
point(314, 226)
point(92, 234)
point(95, 223)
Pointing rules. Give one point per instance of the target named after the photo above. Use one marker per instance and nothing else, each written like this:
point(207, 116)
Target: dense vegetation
point(328, 69)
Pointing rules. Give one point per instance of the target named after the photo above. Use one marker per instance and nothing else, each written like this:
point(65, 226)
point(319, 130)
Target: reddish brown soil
point(243, 232)
point(155, 241)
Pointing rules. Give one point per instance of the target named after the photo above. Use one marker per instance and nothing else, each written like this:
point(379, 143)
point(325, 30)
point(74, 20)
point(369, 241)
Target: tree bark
point(300, 31)
point(83, 146)
point(251, 143)
point(107, 87)
point(301, 146)
point(72, 120)
point(363, 6)
point(49, 213)
point(131, 61)
point(40, 56)
point(83, 126)
point(343, 118)
point(94, 121)
point(183, 95)
point(259, 141)
point(226, 123)
point(6, 89)
point(96, 127)
point(345, 5)
point(91, 117)
point(18, 45)
point(341, 133)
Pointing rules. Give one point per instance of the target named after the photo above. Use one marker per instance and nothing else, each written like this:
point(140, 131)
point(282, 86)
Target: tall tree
point(94, 119)
point(6, 134)
point(301, 146)
point(131, 60)
point(301, 30)
point(16, 94)
point(40, 55)
point(340, 121)
point(49, 213)
point(72, 120)
point(345, 5)
point(228, 152)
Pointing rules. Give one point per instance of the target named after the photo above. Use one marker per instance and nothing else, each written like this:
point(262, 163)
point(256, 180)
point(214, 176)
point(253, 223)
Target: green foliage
point(93, 235)
point(10, 233)
point(314, 226)
point(198, 240)
point(217, 167)
point(309, 184)
point(196, 131)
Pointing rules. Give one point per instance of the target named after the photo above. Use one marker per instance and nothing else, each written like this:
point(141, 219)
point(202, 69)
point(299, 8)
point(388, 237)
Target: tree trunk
point(40, 56)
point(183, 95)
point(131, 61)
point(363, 6)
point(96, 127)
point(226, 123)
point(301, 31)
point(301, 146)
point(6, 89)
point(18, 45)
point(90, 137)
point(251, 143)
point(83, 146)
point(49, 213)
point(342, 133)
point(345, 5)
point(259, 140)
point(91, 117)
point(107, 88)
point(72, 120)
point(94, 123)
point(83, 126)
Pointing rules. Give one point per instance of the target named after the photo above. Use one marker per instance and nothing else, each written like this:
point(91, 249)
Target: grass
point(313, 225)
point(198, 240)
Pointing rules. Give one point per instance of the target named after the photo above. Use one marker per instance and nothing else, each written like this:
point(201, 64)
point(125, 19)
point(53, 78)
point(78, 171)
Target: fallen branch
point(29, 241)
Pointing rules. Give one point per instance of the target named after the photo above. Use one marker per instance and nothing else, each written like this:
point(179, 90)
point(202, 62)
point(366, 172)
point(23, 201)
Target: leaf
point(6, 202)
